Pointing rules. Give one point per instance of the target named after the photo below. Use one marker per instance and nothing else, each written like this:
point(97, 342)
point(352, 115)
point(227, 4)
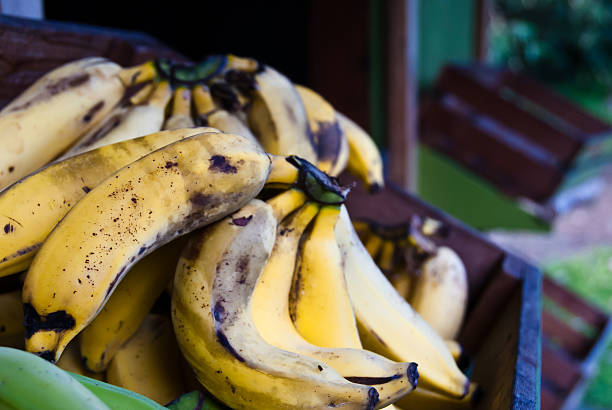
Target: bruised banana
point(364, 159)
point(180, 115)
point(329, 139)
point(137, 120)
point(213, 321)
point(210, 114)
point(319, 304)
point(54, 112)
point(30, 209)
point(278, 118)
point(271, 312)
point(29, 382)
point(163, 195)
point(128, 306)
point(149, 363)
point(387, 323)
point(440, 292)
point(11, 320)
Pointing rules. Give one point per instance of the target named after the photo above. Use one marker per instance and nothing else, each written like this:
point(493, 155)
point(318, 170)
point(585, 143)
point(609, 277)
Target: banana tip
point(48, 355)
point(413, 374)
point(375, 188)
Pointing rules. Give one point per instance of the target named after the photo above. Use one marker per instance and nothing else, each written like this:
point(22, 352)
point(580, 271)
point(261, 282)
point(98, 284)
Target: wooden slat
point(558, 369)
point(481, 29)
point(570, 301)
point(462, 82)
point(573, 342)
point(402, 87)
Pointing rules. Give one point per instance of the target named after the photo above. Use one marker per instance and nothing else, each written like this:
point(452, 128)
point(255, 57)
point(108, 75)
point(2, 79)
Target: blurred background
point(497, 111)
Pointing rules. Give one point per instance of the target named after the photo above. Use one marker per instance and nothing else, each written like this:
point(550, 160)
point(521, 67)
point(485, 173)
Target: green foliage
point(555, 40)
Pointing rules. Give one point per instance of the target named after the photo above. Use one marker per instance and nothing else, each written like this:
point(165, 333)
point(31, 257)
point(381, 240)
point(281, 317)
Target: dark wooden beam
point(402, 86)
point(482, 10)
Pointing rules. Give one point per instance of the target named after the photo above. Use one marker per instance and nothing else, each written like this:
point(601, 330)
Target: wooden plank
point(482, 10)
point(31, 48)
point(462, 82)
point(570, 340)
point(570, 301)
point(558, 369)
point(402, 87)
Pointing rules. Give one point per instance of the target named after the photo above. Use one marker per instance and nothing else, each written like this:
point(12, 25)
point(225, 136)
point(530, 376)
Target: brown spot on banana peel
point(92, 111)
point(221, 164)
point(52, 89)
point(244, 221)
point(328, 140)
point(58, 321)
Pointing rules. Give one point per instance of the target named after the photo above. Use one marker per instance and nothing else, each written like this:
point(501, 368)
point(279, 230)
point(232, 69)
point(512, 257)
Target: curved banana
point(180, 116)
point(54, 112)
point(136, 121)
point(373, 245)
point(278, 118)
point(388, 325)
point(29, 382)
point(440, 292)
point(385, 256)
point(212, 317)
point(364, 158)
point(163, 195)
point(11, 320)
point(30, 209)
point(402, 281)
point(329, 138)
point(271, 314)
point(210, 114)
point(128, 306)
point(319, 304)
point(71, 361)
point(148, 363)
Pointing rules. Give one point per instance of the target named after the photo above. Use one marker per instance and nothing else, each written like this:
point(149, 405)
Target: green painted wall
point(446, 32)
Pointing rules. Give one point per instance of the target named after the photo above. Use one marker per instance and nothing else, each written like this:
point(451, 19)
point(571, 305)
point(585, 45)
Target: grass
point(589, 274)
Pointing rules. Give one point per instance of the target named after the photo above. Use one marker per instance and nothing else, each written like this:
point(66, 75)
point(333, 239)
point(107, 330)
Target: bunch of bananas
point(274, 303)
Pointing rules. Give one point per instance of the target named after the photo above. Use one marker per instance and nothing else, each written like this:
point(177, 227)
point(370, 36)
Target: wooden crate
point(502, 330)
point(515, 133)
point(575, 333)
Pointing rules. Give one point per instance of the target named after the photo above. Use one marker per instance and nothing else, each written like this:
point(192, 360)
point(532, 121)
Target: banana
point(440, 292)
point(165, 194)
point(329, 139)
point(141, 73)
point(364, 159)
point(29, 382)
point(385, 256)
point(210, 114)
point(277, 117)
point(424, 399)
point(11, 320)
point(373, 245)
point(319, 304)
point(212, 317)
point(270, 310)
point(455, 348)
point(54, 112)
point(401, 281)
point(122, 315)
point(388, 325)
point(136, 121)
point(148, 363)
point(71, 361)
point(31, 208)
point(180, 116)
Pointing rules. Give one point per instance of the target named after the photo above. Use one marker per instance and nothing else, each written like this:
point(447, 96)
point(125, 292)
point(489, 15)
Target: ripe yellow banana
point(440, 292)
point(30, 209)
point(329, 139)
point(319, 304)
point(71, 361)
point(373, 245)
point(455, 348)
point(210, 114)
point(364, 158)
point(165, 194)
point(54, 112)
point(388, 325)
point(278, 118)
point(149, 363)
point(424, 399)
point(270, 310)
point(122, 315)
point(401, 281)
point(135, 121)
point(180, 116)
point(212, 317)
point(385, 260)
point(11, 320)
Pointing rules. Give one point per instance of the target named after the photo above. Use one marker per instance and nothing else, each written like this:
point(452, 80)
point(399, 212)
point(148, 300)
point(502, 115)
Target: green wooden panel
point(446, 34)
point(456, 190)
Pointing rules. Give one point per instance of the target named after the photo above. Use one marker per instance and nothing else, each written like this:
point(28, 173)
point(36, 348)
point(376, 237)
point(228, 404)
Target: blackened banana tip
point(373, 398)
point(375, 188)
point(413, 374)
